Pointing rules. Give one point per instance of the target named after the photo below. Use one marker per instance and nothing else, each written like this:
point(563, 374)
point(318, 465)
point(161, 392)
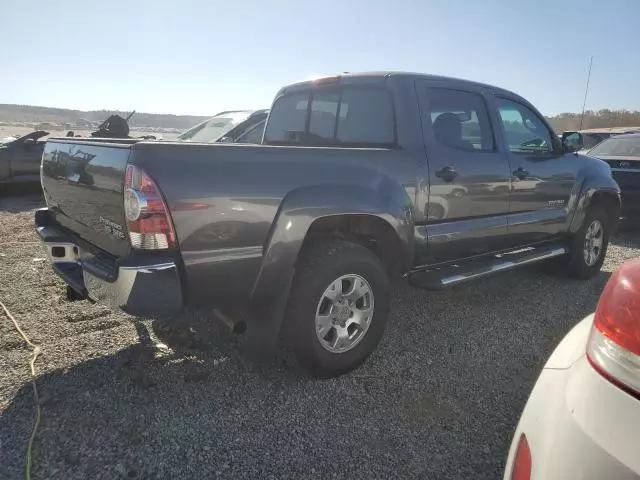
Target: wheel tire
point(574, 263)
point(319, 267)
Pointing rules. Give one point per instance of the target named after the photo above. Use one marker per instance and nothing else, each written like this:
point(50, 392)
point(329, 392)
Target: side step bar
point(447, 276)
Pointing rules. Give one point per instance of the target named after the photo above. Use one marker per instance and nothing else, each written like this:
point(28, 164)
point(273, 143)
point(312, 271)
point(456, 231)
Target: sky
point(201, 57)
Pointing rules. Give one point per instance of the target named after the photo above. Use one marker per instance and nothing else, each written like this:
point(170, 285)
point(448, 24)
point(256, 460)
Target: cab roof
point(381, 77)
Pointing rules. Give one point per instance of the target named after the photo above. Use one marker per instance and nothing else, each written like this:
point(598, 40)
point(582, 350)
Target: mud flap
point(263, 332)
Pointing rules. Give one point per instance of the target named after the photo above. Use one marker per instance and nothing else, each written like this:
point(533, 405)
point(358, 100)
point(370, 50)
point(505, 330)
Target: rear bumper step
point(448, 276)
point(144, 286)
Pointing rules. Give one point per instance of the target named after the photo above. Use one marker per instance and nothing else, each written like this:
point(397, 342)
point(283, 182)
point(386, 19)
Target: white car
point(582, 420)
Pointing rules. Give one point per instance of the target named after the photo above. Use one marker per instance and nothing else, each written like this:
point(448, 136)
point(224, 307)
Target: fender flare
point(303, 206)
point(592, 185)
point(297, 212)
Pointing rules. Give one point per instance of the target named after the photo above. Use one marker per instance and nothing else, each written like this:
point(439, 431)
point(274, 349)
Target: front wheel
point(337, 308)
point(589, 245)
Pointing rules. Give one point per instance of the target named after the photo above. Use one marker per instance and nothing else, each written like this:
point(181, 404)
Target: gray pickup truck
point(360, 178)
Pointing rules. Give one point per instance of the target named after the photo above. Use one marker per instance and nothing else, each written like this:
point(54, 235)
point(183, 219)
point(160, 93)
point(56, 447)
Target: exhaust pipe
point(236, 326)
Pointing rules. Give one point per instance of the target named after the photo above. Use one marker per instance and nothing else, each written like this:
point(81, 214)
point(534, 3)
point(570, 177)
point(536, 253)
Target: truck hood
point(595, 161)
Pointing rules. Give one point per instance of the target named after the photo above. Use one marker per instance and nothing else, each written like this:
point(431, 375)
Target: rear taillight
point(614, 343)
point(148, 220)
point(522, 461)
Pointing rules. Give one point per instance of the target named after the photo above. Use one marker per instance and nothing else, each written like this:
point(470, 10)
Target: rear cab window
point(342, 117)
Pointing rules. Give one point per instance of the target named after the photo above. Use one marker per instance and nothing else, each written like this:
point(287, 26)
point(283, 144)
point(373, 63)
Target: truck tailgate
point(83, 185)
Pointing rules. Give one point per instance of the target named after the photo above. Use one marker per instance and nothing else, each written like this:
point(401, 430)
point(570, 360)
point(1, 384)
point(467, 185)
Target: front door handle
point(448, 174)
point(521, 173)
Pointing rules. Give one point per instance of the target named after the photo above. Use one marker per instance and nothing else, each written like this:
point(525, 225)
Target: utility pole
point(586, 90)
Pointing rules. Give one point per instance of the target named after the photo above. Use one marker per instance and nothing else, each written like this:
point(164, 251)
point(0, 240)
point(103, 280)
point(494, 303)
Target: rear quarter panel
point(228, 203)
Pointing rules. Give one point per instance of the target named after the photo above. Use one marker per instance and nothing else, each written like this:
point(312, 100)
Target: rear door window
point(460, 119)
point(346, 117)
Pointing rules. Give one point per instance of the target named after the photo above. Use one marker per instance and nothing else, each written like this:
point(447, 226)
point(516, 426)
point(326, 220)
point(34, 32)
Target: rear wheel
point(337, 308)
point(588, 246)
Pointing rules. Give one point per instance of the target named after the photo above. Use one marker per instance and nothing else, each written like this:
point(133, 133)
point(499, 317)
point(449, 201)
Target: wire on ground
point(36, 352)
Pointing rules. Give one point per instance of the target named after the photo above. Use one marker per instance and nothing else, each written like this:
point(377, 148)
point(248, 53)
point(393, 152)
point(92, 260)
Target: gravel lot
point(439, 398)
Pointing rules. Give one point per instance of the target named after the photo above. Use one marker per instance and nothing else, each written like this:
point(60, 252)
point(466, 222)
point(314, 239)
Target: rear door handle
point(521, 173)
point(448, 174)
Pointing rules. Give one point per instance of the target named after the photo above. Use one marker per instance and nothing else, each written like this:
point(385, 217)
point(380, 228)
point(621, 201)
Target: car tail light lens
point(148, 219)
point(614, 343)
point(522, 462)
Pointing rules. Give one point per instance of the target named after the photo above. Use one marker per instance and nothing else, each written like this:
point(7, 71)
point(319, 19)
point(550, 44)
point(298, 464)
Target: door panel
point(469, 178)
point(542, 179)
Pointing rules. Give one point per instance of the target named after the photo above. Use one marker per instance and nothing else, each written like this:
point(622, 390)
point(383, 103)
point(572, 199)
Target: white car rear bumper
point(578, 424)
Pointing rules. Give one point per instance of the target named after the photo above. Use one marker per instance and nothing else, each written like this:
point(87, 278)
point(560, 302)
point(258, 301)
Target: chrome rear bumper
point(139, 285)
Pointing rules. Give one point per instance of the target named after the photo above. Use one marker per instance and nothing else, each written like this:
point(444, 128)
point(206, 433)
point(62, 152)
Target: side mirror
point(572, 141)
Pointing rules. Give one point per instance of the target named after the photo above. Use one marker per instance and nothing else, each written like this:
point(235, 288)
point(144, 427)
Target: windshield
point(622, 146)
point(215, 128)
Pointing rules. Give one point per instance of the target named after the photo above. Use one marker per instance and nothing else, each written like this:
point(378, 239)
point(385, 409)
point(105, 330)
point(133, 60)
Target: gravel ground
point(174, 399)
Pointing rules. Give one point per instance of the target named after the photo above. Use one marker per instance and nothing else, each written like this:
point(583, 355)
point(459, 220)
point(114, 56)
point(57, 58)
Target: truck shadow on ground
point(627, 235)
point(438, 399)
point(27, 200)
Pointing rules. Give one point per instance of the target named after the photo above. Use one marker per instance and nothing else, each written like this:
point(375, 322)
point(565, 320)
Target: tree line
point(34, 114)
point(595, 119)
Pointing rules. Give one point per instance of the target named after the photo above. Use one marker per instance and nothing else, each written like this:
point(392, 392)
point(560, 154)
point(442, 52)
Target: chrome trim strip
point(196, 257)
point(149, 268)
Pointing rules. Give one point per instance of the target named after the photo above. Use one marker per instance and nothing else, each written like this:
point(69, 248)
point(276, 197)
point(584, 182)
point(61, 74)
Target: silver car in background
point(237, 126)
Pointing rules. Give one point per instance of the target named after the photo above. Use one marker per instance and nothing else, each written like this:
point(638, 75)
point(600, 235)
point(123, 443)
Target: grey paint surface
point(241, 213)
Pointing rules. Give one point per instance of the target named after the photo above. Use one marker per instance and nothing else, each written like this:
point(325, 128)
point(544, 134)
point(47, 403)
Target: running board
point(447, 276)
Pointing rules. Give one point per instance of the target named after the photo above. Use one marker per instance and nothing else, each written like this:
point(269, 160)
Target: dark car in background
point(587, 139)
point(622, 153)
point(238, 126)
point(20, 158)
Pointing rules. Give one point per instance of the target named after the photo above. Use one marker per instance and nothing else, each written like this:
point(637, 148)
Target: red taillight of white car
point(522, 461)
point(148, 220)
point(614, 343)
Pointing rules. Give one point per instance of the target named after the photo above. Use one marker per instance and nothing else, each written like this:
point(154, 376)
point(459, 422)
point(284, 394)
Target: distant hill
point(32, 114)
point(595, 119)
